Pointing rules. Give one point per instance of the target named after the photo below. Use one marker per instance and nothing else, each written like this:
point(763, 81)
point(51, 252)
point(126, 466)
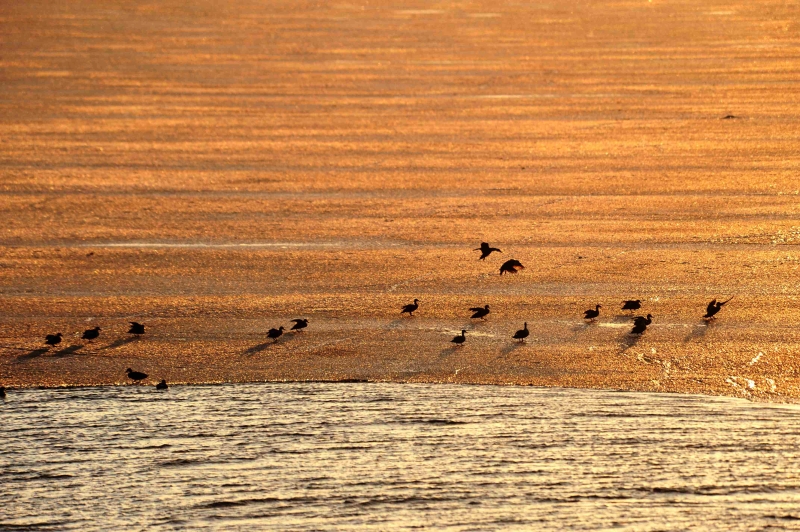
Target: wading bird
point(713, 308)
point(136, 328)
point(485, 250)
point(91, 334)
point(631, 304)
point(53, 339)
point(135, 376)
point(410, 308)
point(640, 324)
point(275, 333)
point(511, 266)
point(480, 312)
point(459, 340)
point(162, 385)
point(522, 333)
point(591, 315)
point(299, 323)
point(2, 393)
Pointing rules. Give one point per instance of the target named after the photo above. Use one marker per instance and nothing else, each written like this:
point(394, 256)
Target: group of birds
point(640, 323)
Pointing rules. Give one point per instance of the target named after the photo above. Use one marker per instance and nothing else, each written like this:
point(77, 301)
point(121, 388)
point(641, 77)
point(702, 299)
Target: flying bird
point(275, 333)
point(591, 315)
point(485, 250)
point(410, 308)
point(640, 324)
point(136, 328)
point(713, 308)
point(135, 376)
point(511, 266)
point(53, 339)
point(459, 340)
point(299, 323)
point(631, 304)
point(162, 385)
point(480, 312)
point(522, 333)
point(91, 334)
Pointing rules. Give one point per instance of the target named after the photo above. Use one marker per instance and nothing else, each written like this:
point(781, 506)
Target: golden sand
point(213, 170)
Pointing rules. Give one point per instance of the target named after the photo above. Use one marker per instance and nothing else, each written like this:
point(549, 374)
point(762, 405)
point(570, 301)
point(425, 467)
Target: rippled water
point(393, 456)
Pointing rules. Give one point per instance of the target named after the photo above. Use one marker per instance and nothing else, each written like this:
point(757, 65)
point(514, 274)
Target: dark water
point(388, 456)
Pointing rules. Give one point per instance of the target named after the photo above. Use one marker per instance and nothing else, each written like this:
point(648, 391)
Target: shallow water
point(393, 456)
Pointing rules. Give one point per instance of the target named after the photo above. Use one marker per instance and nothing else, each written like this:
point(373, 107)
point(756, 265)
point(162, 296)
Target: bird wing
point(477, 309)
point(711, 306)
point(298, 320)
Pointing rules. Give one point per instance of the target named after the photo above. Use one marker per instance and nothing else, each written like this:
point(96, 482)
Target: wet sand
point(213, 171)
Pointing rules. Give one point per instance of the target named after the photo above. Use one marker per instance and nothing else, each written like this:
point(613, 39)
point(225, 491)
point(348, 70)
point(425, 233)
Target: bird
point(631, 304)
point(640, 324)
point(91, 334)
point(459, 340)
point(591, 315)
point(480, 312)
point(275, 333)
point(135, 376)
point(485, 250)
point(162, 385)
point(53, 339)
point(2, 392)
point(136, 328)
point(410, 308)
point(511, 266)
point(522, 333)
point(299, 323)
point(713, 308)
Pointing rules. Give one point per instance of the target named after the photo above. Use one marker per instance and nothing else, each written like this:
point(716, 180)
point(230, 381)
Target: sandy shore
point(214, 171)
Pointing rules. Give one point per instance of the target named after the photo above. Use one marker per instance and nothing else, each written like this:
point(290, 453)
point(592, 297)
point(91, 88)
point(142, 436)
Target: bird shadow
point(630, 340)
point(259, 348)
point(33, 354)
point(622, 318)
point(697, 332)
point(68, 350)
point(119, 342)
point(448, 351)
point(507, 350)
point(396, 324)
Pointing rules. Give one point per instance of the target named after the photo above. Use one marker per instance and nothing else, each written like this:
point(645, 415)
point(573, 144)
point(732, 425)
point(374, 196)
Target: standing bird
point(459, 340)
point(480, 312)
point(2, 392)
point(631, 304)
point(91, 334)
point(299, 323)
point(591, 315)
point(511, 266)
point(135, 376)
point(410, 308)
point(162, 385)
point(485, 250)
point(53, 339)
point(522, 333)
point(136, 328)
point(275, 333)
point(640, 324)
point(713, 308)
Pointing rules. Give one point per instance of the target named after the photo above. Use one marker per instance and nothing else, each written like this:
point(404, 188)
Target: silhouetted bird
point(91, 334)
point(53, 339)
point(511, 266)
point(458, 340)
point(591, 315)
point(522, 333)
point(480, 312)
point(640, 324)
point(275, 333)
point(136, 328)
point(135, 376)
point(2, 392)
point(299, 323)
point(485, 250)
point(410, 308)
point(162, 385)
point(631, 304)
point(713, 308)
